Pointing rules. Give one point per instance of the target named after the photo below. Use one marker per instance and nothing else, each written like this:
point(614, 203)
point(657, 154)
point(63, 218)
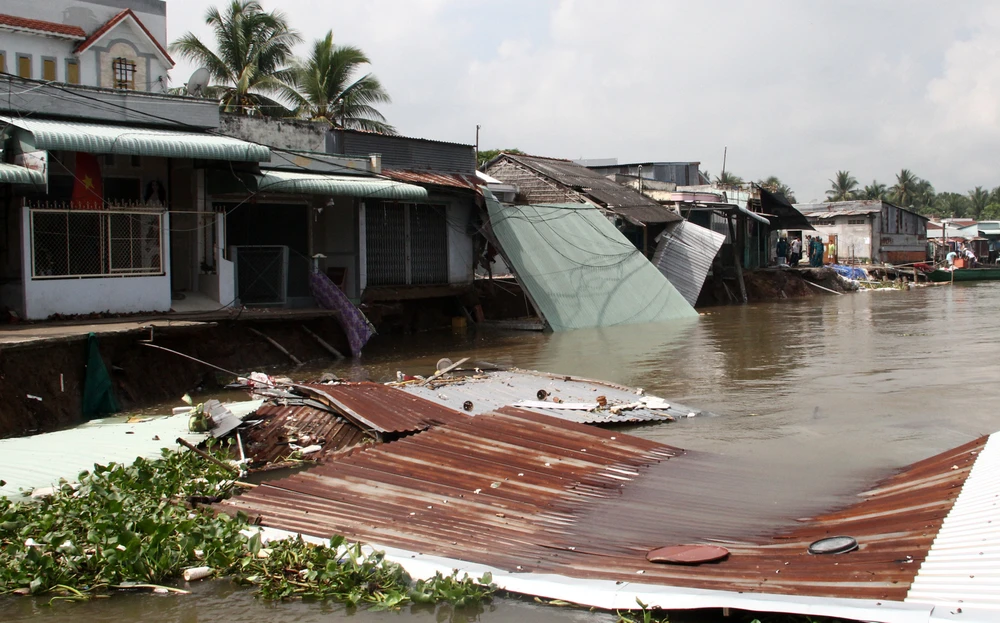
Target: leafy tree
point(489, 154)
point(979, 198)
point(991, 212)
point(925, 198)
point(728, 179)
point(249, 62)
point(875, 190)
point(842, 188)
point(952, 205)
point(326, 86)
point(776, 186)
point(904, 191)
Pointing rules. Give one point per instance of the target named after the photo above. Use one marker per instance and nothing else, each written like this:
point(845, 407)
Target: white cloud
point(794, 89)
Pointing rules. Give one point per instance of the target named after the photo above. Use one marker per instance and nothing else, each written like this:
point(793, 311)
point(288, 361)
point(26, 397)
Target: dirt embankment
point(769, 285)
point(143, 376)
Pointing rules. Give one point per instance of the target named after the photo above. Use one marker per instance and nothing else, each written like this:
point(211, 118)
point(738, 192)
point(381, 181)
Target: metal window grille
point(428, 245)
point(261, 274)
point(385, 238)
point(123, 71)
point(90, 243)
point(407, 244)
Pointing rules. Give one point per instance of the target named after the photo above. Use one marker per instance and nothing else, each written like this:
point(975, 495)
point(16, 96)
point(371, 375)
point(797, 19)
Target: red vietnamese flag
point(88, 187)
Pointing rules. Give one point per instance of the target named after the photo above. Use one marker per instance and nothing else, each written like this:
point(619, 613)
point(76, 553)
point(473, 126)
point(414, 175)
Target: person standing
point(796, 251)
point(782, 251)
point(816, 252)
point(831, 250)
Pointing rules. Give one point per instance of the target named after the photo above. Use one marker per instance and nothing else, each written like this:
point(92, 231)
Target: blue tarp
point(851, 272)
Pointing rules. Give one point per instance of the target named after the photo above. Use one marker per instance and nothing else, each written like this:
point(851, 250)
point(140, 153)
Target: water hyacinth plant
point(143, 525)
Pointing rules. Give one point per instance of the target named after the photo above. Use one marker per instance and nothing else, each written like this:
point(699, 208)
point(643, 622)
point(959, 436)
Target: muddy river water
point(819, 397)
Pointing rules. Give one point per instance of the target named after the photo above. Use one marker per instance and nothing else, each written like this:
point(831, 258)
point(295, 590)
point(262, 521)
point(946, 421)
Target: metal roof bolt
point(412, 514)
point(520, 473)
point(548, 465)
point(477, 491)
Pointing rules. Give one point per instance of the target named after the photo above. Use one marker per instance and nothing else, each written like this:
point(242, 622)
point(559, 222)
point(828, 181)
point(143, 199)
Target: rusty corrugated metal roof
point(268, 442)
point(523, 492)
point(379, 408)
point(453, 180)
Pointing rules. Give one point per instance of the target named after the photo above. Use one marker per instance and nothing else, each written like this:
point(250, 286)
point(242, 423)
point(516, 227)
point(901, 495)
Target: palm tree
point(324, 86)
point(875, 190)
point(953, 205)
point(842, 188)
point(249, 63)
point(904, 191)
point(776, 186)
point(979, 198)
point(728, 179)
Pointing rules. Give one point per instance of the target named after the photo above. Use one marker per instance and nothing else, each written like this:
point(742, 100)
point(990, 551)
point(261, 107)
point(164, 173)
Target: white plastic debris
point(197, 573)
point(311, 449)
point(34, 397)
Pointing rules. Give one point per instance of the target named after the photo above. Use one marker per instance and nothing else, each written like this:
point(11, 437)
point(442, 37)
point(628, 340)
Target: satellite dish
point(197, 82)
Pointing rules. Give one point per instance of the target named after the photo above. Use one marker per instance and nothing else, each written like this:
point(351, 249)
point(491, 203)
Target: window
point(407, 244)
point(73, 72)
point(123, 71)
point(84, 243)
point(3, 61)
point(24, 66)
point(856, 221)
point(49, 69)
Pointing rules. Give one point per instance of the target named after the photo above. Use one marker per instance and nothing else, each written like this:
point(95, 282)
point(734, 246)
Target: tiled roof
point(22, 23)
point(114, 21)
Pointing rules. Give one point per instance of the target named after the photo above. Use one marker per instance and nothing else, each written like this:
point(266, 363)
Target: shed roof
point(847, 208)
point(608, 193)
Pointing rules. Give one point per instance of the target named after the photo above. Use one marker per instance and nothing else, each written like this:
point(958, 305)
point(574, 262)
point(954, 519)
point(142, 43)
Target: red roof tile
point(40, 26)
point(114, 21)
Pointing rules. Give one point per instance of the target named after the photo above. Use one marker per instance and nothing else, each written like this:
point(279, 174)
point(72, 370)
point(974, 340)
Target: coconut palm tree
point(776, 186)
point(249, 63)
point(875, 190)
point(842, 188)
point(904, 192)
point(728, 179)
point(326, 86)
point(979, 199)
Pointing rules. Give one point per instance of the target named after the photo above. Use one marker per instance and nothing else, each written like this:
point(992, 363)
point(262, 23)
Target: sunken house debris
point(564, 510)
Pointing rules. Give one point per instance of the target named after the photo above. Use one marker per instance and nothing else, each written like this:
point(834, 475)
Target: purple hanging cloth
point(329, 296)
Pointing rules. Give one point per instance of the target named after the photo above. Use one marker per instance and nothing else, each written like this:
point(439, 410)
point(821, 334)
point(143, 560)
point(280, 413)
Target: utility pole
point(725, 151)
point(477, 145)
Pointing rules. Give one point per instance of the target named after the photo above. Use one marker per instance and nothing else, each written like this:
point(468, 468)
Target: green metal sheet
point(13, 174)
point(579, 269)
point(295, 183)
point(97, 138)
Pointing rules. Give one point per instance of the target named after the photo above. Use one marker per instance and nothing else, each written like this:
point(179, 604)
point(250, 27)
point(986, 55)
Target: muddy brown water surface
point(816, 399)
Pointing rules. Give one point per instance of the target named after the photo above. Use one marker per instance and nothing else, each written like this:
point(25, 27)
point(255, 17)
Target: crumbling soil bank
point(142, 376)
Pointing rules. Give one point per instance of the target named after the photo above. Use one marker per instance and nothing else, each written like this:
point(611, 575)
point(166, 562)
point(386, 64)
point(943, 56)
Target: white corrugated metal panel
point(962, 569)
point(42, 460)
point(500, 389)
point(684, 256)
point(579, 270)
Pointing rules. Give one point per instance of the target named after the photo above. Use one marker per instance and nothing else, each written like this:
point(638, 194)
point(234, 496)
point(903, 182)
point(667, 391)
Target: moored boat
point(965, 274)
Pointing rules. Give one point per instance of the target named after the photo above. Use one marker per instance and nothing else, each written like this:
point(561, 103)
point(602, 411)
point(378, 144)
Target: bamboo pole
point(333, 351)
point(273, 343)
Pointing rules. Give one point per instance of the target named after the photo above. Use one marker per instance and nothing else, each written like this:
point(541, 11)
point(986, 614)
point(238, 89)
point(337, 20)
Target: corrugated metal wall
point(407, 244)
point(399, 152)
point(684, 256)
point(385, 237)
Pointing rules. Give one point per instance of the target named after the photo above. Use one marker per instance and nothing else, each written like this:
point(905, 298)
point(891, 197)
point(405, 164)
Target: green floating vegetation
point(142, 525)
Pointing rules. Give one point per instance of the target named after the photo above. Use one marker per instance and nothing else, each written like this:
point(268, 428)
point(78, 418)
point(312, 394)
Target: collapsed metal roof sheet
point(685, 254)
point(495, 390)
point(286, 428)
point(379, 408)
point(579, 270)
point(552, 504)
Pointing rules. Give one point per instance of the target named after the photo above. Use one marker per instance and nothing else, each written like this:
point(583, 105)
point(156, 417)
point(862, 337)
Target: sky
point(794, 89)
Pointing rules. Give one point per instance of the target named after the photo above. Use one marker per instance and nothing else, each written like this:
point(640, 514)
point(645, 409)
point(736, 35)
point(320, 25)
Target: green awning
point(13, 174)
point(295, 183)
point(97, 138)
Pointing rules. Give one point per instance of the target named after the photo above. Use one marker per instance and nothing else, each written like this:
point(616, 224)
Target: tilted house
point(550, 180)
